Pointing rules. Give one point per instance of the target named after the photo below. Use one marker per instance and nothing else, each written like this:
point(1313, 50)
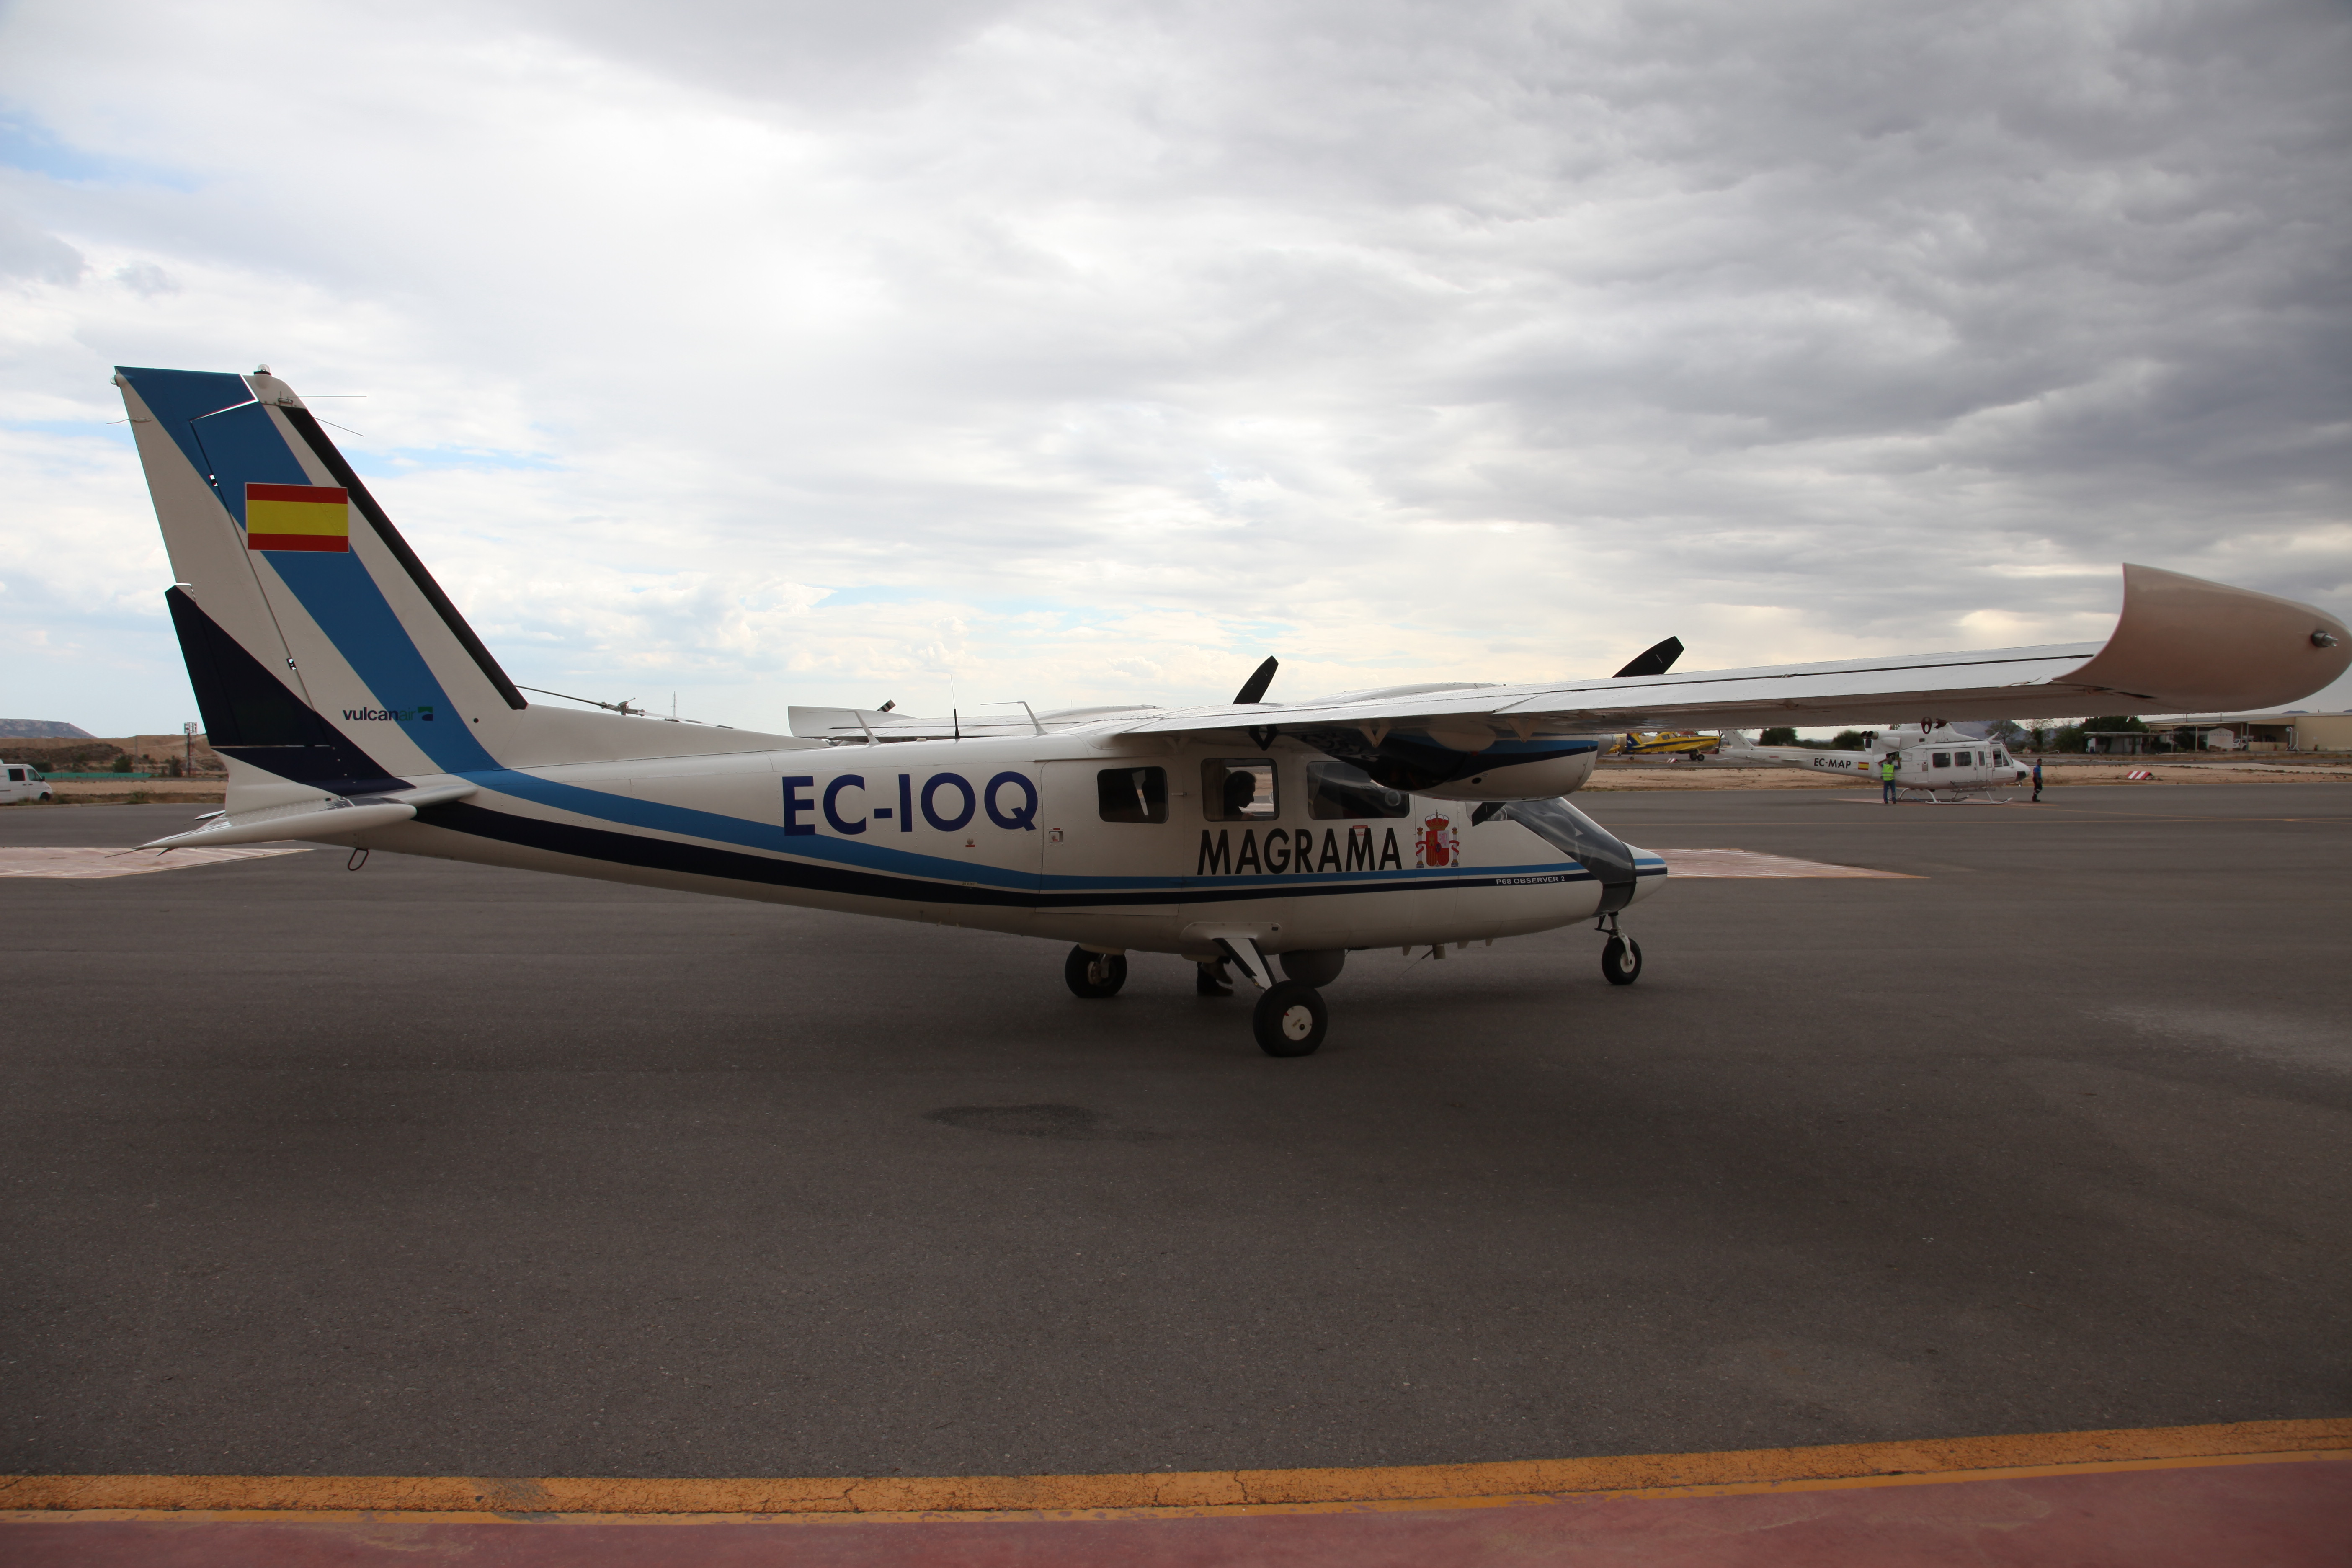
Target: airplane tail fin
point(321, 649)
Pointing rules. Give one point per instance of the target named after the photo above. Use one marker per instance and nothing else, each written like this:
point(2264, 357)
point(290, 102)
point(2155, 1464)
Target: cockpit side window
point(1238, 789)
point(1133, 795)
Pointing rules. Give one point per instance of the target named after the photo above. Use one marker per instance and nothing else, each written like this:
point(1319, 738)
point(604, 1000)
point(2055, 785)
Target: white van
point(23, 781)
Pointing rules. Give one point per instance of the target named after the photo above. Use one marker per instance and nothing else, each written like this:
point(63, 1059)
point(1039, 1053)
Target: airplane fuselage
point(1107, 841)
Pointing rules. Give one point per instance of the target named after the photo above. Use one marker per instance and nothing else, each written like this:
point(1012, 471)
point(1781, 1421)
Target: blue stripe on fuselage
point(632, 811)
point(732, 864)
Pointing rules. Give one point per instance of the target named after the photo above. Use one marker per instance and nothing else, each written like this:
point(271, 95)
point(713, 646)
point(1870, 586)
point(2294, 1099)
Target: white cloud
point(957, 352)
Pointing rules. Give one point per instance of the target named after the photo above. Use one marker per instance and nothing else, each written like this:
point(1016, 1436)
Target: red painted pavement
point(2278, 1515)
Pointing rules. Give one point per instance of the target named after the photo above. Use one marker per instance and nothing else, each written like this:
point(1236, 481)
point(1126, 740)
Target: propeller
point(1254, 688)
point(1653, 661)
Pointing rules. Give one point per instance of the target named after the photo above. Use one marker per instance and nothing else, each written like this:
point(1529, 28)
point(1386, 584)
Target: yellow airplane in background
point(1665, 743)
point(1657, 660)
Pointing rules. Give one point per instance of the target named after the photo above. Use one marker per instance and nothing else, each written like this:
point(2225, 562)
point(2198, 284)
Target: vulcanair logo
point(421, 713)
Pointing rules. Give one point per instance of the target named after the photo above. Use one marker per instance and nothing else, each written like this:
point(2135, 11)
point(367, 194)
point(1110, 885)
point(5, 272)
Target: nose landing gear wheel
point(1620, 961)
point(1290, 1019)
point(1094, 975)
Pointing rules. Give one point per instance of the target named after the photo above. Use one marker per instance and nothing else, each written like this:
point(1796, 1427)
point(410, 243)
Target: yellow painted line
point(1198, 1493)
point(1213, 1510)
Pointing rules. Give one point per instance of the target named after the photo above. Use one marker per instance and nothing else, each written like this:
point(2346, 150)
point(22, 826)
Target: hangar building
point(2292, 730)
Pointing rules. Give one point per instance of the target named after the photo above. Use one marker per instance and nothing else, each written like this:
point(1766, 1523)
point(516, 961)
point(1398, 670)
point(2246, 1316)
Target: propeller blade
point(1653, 661)
point(1254, 688)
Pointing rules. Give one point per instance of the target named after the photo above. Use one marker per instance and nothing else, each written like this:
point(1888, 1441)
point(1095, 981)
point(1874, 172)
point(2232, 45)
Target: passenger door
point(1116, 833)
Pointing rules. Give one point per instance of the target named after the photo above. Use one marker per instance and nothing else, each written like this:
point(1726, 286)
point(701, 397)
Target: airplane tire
point(1094, 975)
point(1620, 961)
point(1290, 1019)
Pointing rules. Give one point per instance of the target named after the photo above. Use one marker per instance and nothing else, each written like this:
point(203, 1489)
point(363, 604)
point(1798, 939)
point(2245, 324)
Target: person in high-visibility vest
point(1886, 779)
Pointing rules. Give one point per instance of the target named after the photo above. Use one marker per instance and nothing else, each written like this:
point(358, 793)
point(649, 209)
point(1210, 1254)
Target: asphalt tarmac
point(434, 1169)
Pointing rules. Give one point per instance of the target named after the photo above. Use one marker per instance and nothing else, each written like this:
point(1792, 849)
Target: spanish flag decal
point(298, 517)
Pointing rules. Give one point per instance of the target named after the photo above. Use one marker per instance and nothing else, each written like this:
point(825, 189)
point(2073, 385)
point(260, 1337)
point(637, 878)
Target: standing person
point(1886, 779)
point(2037, 779)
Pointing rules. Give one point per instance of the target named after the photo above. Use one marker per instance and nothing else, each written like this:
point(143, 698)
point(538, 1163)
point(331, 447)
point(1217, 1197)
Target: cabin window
point(1347, 794)
point(16, 775)
point(1133, 795)
point(1237, 789)
point(1943, 759)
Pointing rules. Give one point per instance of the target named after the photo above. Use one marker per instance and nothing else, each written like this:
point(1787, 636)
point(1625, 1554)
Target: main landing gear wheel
point(1620, 961)
point(1094, 975)
point(1290, 1019)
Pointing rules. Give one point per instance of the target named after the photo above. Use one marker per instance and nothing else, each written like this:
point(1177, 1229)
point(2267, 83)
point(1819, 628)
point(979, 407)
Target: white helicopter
point(1932, 761)
point(354, 706)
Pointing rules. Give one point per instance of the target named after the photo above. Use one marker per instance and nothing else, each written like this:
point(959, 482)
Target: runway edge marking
point(1198, 1493)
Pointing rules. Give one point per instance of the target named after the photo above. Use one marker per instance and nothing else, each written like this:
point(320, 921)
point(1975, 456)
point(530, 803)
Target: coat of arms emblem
point(1436, 844)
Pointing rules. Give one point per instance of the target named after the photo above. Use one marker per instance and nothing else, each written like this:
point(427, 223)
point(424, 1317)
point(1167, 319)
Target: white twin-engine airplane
point(355, 706)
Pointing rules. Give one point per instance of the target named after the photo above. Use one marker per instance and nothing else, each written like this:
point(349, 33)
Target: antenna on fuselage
point(1009, 702)
point(622, 706)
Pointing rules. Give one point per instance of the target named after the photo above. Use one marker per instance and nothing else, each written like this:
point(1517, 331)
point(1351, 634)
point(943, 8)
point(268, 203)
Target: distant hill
point(42, 730)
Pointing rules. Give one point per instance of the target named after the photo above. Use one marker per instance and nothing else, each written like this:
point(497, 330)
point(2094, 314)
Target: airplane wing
point(2181, 644)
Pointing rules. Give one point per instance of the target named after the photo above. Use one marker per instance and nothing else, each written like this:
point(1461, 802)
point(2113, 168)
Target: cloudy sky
point(963, 350)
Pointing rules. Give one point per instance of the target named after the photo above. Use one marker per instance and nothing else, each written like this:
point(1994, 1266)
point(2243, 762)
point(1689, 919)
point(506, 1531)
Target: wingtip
point(2199, 646)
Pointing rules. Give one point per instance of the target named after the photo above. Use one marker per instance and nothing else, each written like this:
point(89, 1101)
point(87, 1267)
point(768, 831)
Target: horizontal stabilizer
point(330, 816)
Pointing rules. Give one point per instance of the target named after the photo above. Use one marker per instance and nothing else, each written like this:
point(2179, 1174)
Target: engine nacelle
point(1541, 778)
point(1541, 767)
